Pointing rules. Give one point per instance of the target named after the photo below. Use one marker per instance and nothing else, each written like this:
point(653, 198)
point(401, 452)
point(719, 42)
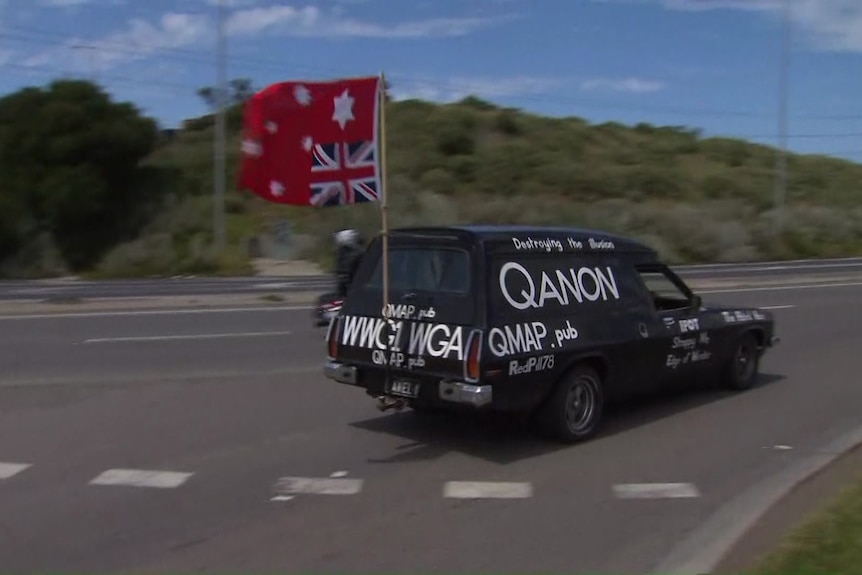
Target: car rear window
point(425, 269)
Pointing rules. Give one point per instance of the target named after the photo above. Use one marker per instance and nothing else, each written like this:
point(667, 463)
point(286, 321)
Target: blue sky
point(711, 64)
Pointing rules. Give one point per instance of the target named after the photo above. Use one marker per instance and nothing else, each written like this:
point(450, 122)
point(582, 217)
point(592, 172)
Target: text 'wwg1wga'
point(580, 284)
point(435, 340)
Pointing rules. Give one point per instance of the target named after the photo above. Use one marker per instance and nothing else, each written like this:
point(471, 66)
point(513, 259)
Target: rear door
point(432, 282)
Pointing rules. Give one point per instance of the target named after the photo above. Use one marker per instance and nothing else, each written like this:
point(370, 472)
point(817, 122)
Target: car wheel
point(574, 409)
point(742, 368)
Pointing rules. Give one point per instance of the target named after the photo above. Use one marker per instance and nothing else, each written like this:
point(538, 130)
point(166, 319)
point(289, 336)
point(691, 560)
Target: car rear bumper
point(341, 373)
point(456, 392)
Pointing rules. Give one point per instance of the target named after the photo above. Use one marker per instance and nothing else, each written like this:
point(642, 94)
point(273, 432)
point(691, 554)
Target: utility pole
point(781, 156)
point(219, 151)
point(91, 58)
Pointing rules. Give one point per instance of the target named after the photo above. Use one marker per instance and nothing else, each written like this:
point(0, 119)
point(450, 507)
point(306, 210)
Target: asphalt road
point(218, 419)
point(65, 289)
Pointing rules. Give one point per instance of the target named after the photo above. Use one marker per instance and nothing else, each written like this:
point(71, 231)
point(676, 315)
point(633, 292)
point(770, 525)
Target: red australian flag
point(313, 143)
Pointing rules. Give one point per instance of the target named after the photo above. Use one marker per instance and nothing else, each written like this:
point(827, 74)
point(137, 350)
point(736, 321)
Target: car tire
point(741, 370)
point(574, 409)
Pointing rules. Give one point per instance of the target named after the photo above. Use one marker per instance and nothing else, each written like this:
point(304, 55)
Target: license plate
point(404, 388)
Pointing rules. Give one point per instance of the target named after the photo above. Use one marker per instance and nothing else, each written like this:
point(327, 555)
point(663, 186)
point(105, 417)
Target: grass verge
point(830, 542)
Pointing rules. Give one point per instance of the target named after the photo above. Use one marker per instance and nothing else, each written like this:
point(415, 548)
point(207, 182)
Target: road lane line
point(317, 486)
point(655, 490)
point(9, 470)
point(487, 490)
point(778, 288)
point(177, 311)
point(142, 478)
point(160, 378)
point(186, 336)
point(769, 268)
point(776, 306)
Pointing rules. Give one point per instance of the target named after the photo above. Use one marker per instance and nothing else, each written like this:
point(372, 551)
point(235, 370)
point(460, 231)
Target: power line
point(180, 88)
point(265, 64)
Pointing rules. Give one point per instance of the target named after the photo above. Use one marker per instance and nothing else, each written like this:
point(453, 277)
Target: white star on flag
point(271, 127)
point(252, 148)
point(307, 143)
point(343, 109)
point(302, 95)
point(276, 188)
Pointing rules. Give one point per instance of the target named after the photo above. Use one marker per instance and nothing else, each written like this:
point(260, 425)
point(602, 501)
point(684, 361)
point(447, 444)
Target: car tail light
point(473, 359)
point(332, 337)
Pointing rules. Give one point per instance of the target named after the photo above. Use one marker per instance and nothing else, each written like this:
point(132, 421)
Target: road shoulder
point(791, 512)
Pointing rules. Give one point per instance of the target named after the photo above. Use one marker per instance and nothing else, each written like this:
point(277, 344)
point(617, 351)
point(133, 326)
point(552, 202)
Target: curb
point(301, 299)
point(707, 545)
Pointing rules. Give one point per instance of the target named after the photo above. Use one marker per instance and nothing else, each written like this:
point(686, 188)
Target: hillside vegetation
point(694, 199)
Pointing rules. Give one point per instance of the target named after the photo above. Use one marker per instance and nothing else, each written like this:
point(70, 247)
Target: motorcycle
point(328, 306)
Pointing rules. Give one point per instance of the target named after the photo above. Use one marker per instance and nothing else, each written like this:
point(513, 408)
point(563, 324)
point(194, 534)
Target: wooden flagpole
point(384, 224)
point(384, 201)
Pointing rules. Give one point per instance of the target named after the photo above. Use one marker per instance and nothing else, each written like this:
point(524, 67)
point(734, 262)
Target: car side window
point(665, 294)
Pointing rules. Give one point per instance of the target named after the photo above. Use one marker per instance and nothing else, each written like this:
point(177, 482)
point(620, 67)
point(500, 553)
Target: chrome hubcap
point(744, 360)
point(580, 405)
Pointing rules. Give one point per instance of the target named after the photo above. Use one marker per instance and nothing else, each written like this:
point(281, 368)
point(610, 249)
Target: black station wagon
point(555, 322)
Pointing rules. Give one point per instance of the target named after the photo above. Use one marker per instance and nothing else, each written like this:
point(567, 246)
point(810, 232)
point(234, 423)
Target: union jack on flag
point(314, 143)
point(344, 173)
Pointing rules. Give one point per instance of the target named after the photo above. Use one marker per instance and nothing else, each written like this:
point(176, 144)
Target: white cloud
point(232, 3)
point(141, 39)
point(457, 88)
point(702, 5)
point(257, 20)
point(311, 21)
point(63, 3)
point(834, 25)
point(137, 41)
point(630, 85)
point(76, 3)
point(831, 25)
point(418, 29)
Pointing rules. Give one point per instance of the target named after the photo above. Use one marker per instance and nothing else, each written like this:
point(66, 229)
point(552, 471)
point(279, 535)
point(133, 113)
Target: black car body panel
point(496, 316)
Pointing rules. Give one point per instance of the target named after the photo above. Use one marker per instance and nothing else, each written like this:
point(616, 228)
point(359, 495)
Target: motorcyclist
point(349, 249)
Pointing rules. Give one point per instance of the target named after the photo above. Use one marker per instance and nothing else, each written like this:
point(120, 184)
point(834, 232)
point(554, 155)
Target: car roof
point(503, 236)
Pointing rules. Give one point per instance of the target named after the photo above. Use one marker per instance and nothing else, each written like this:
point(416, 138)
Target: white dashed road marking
point(189, 336)
point(318, 486)
point(655, 490)
point(487, 490)
point(8, 470)
point(142, 478)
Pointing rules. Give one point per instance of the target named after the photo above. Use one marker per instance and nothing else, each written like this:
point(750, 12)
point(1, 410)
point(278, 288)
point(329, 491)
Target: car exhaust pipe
point(385, 403)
